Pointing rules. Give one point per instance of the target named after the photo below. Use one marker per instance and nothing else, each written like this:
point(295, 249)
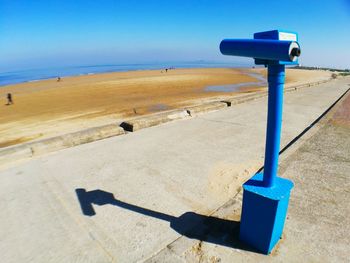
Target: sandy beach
point(48, 108)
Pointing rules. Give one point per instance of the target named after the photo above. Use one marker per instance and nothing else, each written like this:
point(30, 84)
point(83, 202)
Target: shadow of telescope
point(192, 225)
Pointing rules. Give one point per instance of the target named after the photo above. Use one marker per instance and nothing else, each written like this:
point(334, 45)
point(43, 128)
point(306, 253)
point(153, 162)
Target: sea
point(29, 75)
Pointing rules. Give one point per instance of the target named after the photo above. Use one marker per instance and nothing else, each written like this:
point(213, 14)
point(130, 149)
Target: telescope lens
point(295, 52)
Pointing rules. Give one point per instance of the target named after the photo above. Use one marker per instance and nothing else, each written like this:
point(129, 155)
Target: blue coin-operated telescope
point(266, 196)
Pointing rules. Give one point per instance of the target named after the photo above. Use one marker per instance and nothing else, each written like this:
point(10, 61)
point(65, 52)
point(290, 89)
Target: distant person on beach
point(58, 79)
point(166, 70)
point(9, 99)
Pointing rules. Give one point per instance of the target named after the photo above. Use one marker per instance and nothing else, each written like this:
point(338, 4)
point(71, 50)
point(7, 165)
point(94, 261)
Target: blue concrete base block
point(264, 211)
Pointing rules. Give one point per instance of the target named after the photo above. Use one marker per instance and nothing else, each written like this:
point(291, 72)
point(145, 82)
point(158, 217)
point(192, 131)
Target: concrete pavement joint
point(225, 122)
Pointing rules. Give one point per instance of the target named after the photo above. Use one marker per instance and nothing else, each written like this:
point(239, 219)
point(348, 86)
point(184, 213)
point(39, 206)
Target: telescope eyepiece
point(295, 52)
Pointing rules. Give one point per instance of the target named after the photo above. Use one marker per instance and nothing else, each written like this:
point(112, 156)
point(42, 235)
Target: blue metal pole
point(276, 75)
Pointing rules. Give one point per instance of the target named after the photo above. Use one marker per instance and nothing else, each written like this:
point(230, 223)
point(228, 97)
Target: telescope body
point(276, 51)
point(267, 48)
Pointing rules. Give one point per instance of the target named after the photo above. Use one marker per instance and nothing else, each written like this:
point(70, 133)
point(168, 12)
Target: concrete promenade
point(154, 194)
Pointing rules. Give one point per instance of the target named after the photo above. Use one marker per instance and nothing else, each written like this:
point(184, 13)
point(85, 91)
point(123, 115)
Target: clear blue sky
point(46, 33)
